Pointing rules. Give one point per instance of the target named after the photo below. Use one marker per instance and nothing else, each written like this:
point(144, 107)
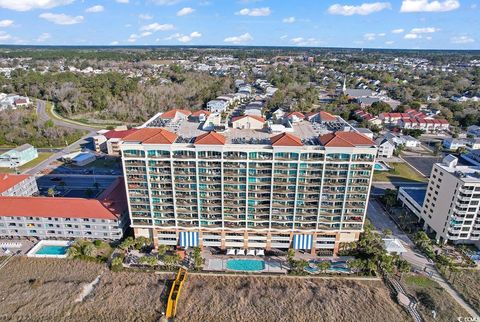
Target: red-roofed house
point(200, 116)
point(43, 217)
point(175, 115)
point(251, 122)
point(151, 136)
point(296, 117)
point(345, 139)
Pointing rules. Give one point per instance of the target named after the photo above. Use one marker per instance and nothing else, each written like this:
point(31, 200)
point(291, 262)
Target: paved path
point(382, 221)
point(44, 116)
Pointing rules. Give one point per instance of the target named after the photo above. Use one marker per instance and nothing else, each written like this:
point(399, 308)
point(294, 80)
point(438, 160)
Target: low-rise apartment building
point(249, 188)
point(41, 217)
point(18, 156)
point(17, 185)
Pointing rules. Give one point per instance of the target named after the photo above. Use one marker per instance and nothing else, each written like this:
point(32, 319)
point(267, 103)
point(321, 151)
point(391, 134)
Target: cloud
point(146, 34)
point(166, 2)
point(289, 20)
point(157, 27)
point(363, 9)
point(398, 31)
point(300, 41)
point(411, 36)
point(425, 30)
point(429, 6)
point(185, 38)
point(94, 9)
point(26, 5)
point(123, 1)
point(6, 23)
point(246, 37)
point(390, 42)
point(4, 36)
point(61, 19)
point(114, 43)
point(462, 40)
point(185, 11)
point(255, 12)
point(283, 37)
point(145, 16)
point(369, 36)
point(44, 37)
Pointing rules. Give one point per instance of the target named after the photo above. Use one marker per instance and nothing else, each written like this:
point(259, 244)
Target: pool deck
point(40, 244)
point(219, 264)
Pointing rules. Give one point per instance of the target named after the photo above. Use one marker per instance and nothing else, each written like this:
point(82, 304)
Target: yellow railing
point(175, 293)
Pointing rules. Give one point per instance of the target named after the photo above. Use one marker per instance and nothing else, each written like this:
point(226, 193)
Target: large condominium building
point(452, 202)
point(306, 189)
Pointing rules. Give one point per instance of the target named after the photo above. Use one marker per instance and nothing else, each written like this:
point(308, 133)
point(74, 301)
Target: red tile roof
point(325, 116)
point(111, 205)
point(9, 180)
point(210, 138)
point(297, 114)
point(286, 139)
point(118, 134)
point(198, 113)
point(345, 139)
point(258, 118)
point(151, 136)
point(173, 113)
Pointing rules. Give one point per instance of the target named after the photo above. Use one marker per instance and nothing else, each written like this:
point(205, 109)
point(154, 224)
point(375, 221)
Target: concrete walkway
point(381, 221)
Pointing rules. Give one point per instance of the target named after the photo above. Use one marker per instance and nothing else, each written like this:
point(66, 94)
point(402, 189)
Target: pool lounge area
point(50, 249)
point(243, 265)
point(381, 166)
point(336, 266)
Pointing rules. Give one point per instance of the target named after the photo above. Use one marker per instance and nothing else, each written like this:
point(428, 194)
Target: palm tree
point(51, 192)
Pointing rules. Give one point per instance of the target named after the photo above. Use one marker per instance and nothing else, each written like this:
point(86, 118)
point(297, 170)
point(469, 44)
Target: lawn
point(467, 283)
point(224, 298)
point(400, 172)
point(433, 297)
point(42, 156)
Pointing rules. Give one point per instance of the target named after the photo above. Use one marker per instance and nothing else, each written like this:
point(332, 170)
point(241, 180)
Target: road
point(44, 116)
point(381, 221)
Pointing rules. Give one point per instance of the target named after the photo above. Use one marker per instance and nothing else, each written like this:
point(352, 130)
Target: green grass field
point(400, 172)
point(42, 156)
point(433, 297)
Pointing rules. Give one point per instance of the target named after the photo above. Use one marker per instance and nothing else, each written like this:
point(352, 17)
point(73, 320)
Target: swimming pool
point(380, 167)
point(52, 250)
point(249, 265)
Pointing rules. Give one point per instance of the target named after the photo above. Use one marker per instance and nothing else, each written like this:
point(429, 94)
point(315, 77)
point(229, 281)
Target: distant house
point(18, 156)
point(296, 117)
point(248, 122)
point(79, 159)
point(409, 141)
point(366, 132)
point(217, 106)
point(278, 113)
point(473, 130)
point(473, 143)
point(386, 147)
point(453, 144)
point(200, 116)
point(109, 141)
point(21, 102)
point(367, 101)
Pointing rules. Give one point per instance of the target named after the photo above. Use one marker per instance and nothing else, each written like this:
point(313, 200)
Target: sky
point(411, 24)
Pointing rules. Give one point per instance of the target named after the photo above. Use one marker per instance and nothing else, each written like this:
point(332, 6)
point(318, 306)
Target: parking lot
point(424, 164)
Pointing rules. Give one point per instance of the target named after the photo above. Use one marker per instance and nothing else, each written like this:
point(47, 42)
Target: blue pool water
point(52, 250)
point(378, 166)
point(248, 265)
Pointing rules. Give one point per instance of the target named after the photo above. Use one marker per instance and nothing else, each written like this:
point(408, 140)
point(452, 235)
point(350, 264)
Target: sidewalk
point(382, 221)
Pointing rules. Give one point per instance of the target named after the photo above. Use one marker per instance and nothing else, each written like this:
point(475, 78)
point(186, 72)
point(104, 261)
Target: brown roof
point(345, 139)
point(286, 139)
point(118, 134)
point(151, 136)
point(110, 205)
point(210, 138)
point(325, 116)
point(198, 113)
point(258, 118)
point(297, 114)
point(9, 180)
point(173, 113)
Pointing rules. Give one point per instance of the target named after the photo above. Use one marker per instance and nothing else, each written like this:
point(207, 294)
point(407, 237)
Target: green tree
point(148, 260)
point(324, 266)
point(197, 257)
point(127, 243)
point(51, 192)
point(162, 249)
point(89, 250)
point(171, 261)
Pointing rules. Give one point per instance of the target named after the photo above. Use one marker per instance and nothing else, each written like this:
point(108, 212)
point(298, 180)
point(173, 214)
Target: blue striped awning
point(189, 239)
point(302, 241)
